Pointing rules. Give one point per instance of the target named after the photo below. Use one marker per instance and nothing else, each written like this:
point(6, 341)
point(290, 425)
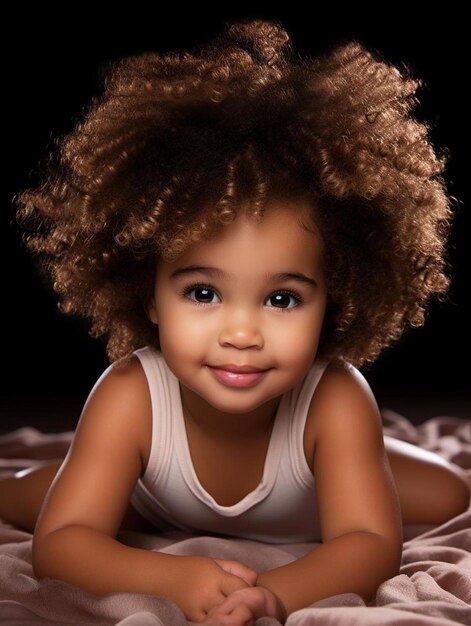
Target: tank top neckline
point(270, 469)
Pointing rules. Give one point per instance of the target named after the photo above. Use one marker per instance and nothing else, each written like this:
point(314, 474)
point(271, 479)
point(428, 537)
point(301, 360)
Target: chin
point(237, 405)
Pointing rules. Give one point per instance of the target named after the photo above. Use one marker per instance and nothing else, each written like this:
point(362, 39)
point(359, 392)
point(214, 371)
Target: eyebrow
point(217, 273)
point(297, 276)
point(198, 269)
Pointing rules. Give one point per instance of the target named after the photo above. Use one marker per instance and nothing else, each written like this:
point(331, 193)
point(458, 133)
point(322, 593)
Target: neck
point(222, 425)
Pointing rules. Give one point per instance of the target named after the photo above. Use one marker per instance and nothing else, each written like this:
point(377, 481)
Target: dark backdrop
point(54, 67)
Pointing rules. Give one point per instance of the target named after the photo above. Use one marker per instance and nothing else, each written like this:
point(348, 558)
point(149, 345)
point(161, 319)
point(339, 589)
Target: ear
point(151, 311)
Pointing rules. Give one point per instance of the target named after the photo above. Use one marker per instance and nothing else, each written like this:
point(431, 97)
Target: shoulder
point(119, 382)
point(343, 383)
point(342, 398)
point(120, 401)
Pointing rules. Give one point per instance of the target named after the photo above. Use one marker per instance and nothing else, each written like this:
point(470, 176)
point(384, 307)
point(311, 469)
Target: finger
point(239, 615)
point(258, 600)
point(238, 569)
point(231, 584)
point(242, 616)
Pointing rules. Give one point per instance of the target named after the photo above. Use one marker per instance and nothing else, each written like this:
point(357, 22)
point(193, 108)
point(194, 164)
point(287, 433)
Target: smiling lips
point(237, 375)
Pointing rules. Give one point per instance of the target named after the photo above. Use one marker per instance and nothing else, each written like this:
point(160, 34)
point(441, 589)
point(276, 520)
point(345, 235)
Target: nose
point(241, 329)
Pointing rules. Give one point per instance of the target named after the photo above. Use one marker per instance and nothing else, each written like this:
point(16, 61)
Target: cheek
point(179, 332)
point(299, 340)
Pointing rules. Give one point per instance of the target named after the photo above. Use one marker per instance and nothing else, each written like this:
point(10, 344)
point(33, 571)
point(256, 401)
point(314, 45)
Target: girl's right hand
point(245, 606)
point(202, 583)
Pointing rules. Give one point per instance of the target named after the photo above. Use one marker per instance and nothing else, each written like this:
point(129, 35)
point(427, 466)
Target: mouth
point(237, 375)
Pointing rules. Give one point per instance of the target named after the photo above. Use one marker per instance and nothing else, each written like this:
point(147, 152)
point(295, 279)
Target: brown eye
point(283, 300)
point(203, 295)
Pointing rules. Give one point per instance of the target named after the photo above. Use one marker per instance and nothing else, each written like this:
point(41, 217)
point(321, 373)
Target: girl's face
point(240, 315)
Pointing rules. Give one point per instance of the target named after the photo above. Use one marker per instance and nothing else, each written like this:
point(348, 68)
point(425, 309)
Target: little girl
point(247, 228)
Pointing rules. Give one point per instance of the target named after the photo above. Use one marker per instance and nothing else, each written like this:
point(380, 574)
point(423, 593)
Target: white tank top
point(281, 509)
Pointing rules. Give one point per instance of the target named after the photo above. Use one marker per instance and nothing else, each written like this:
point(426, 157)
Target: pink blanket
point(433, 586)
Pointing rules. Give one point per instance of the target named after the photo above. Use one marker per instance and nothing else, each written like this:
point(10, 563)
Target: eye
point(283, 300)
point(202, 295)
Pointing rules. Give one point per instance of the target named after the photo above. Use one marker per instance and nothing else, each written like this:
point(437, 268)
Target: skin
point(251, 309)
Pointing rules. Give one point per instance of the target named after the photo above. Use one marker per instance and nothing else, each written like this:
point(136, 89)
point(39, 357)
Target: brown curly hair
point(176, 143)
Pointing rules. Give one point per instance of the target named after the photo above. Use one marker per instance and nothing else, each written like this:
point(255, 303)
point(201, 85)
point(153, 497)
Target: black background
point(54, 67)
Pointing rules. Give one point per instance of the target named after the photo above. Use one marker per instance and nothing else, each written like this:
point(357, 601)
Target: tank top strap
point(161, 389)
point(300, 402)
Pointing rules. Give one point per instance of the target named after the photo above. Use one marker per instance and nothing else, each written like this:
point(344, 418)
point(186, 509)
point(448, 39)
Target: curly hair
point(175, 144)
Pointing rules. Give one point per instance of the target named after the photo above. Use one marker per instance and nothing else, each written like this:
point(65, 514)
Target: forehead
point(285, 239)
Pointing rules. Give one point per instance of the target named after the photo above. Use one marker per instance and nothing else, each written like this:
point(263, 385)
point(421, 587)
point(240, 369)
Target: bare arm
point(99, 564)
point(358, 504)
point(74, 538)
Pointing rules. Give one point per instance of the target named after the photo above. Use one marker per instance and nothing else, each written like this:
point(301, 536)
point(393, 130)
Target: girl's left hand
point(244, 606)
